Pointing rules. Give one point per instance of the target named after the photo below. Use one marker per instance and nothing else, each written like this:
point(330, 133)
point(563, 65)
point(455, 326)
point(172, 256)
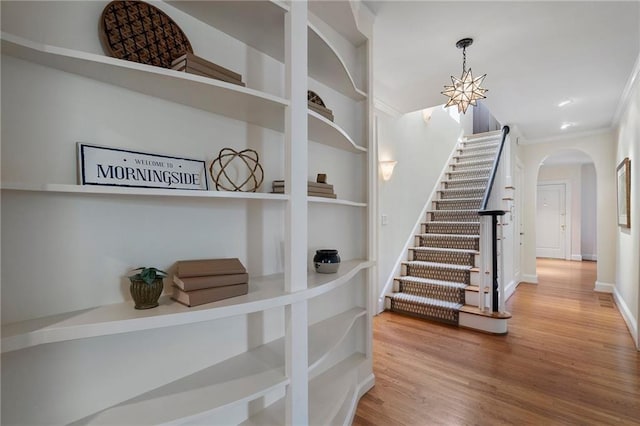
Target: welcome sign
point(100, 165)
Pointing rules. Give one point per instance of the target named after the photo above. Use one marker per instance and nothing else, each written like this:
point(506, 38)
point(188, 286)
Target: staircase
point(440, 279)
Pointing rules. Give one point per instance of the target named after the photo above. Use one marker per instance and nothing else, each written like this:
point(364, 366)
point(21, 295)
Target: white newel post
point(485, 260)
point(296, 141)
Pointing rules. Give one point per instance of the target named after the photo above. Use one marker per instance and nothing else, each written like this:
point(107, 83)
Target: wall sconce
point(387, 169)
point(426, 114)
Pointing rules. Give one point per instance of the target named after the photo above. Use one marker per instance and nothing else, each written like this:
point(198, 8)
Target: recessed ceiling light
point(566, 125)
point(565, 103)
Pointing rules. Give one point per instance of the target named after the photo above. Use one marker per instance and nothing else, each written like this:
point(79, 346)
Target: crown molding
point(569, 136)
point(626, 93)
point(386, 108)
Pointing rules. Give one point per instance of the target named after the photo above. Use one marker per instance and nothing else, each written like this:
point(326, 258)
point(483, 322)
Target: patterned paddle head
point(139, 32)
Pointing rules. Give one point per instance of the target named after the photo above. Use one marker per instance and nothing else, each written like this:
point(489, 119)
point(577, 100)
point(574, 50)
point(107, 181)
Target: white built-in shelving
point(330, 393)
point(136, 192)
point(265, 293)
point(338, 355)
point(218, 97)
point(198, 395)
point(327, 133)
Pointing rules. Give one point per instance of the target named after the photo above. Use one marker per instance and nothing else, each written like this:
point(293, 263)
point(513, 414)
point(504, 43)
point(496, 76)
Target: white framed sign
point(101, 165)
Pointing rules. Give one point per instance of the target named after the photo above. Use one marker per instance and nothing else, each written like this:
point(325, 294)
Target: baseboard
point(363, 387)
point(591, 257)
point(604, 287)
point(529, 278)
point(632, 323)
point(576, 257)
point(510, 289)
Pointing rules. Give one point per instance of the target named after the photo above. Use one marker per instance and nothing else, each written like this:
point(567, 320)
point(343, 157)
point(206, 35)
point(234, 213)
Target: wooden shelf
point(324, 131)
point(327, 395)
point(215, 96)
point(264, 293)
point(151, 192)
point(323, 200)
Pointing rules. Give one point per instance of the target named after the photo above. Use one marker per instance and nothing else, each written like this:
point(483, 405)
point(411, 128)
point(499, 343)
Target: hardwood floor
point(568, 359)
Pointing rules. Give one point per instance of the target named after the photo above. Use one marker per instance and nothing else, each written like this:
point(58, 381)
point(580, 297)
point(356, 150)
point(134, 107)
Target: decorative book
point(208, 295)
point(210, 281)
point(196, 65)
point(207, 267)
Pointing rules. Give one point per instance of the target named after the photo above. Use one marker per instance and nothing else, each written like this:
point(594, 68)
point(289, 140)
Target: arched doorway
point(566, 206)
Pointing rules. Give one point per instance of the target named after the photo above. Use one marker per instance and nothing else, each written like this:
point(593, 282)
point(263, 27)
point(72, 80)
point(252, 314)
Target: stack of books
point(314, 189)
point(196, 65)
point(323, 111)
point(197, 282)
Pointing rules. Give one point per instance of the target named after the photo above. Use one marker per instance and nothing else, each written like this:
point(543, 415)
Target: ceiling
point(535, 55)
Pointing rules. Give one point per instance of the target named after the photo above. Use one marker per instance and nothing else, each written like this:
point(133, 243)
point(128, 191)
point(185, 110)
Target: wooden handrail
point(487, 192)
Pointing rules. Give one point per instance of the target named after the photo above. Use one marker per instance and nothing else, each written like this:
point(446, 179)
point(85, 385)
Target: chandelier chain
point(464, 60)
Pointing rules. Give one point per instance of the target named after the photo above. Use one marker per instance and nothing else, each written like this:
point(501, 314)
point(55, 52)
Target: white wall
point(421, 150)
point(627, 240)
point(571, 174)
point(600, 147)
point(588, 208)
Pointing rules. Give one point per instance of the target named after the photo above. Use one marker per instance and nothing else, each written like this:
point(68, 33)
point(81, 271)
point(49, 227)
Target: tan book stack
point(323, 111)
point(197, 282)
point(314, 189)
point(193, 64)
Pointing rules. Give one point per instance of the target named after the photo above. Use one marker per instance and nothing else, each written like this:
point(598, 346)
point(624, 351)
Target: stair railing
point(491, 262)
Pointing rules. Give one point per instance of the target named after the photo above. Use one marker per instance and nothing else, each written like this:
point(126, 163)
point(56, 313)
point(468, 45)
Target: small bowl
point(326, 261)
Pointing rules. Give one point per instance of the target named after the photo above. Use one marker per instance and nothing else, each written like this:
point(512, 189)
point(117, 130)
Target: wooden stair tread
point(438, 265)
point(451, 250)
point(476, 289)
point(431, 281)
point(485, 313)
point(471, 188)
point(449, 235)
point(425, 300)
point(455, 200)
point(444, 222)
point(476, 179)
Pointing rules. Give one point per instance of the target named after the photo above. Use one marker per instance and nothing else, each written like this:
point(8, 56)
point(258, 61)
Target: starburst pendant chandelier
point(465, 90)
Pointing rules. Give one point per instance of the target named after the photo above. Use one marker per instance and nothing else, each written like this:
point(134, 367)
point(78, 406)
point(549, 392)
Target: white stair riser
point(471, 298)
point(486, 324)
point(387, 303)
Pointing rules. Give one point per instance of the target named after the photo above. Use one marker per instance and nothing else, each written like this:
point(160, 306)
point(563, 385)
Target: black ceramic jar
point(326, 261)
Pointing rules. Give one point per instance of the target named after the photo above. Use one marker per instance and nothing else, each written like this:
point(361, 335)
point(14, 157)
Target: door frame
point(568, 218)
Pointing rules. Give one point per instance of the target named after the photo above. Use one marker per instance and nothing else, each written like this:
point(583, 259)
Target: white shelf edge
point(265, 293)
point(318, 284)
point(262, 375)
point(334, 330)
point(81, 63)
point(191, 397)
point(329, 389)
point(356, 93)
point(152, 192)
point(323, 200)
point(326, 132)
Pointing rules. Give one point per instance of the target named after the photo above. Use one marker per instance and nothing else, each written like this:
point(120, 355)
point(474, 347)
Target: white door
point(518, 227)
point(550, 221)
